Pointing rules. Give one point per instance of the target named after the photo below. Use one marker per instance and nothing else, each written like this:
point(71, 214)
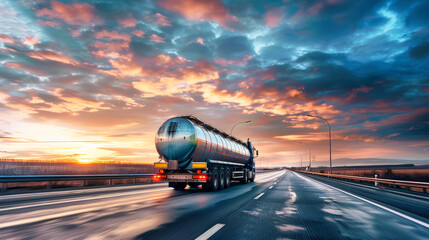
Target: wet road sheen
point(278, 205)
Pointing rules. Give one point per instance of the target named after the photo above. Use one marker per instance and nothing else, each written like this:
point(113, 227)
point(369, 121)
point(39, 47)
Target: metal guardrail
point(377, 181)
point(4, 180)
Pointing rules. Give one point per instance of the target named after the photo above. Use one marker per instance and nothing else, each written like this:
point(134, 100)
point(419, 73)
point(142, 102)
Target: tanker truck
point(195, 153)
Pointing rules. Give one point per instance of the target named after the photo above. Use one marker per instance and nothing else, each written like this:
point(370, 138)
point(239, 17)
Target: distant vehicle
point(194, 153)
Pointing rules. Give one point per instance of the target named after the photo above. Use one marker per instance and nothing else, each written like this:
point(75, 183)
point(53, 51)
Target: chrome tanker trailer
point(194, 153)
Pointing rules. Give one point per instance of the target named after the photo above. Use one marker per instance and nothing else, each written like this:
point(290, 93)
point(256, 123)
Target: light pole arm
point(248, 121)
point(329, 125)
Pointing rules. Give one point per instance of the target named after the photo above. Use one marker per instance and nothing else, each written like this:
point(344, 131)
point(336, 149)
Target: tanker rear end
point(194, 153)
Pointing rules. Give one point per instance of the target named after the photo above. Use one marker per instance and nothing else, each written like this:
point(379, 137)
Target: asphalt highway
point(278, 205)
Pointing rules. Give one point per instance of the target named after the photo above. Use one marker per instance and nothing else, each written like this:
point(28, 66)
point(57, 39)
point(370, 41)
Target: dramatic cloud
point(95, 80)
point(74, 14)
point(195, 10)
point(274, 16)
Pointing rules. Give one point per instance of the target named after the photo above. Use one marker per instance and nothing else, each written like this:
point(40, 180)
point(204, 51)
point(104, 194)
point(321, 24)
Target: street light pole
point(309, 155)
point(330, 149)
point(300, 155)
point(248, 121)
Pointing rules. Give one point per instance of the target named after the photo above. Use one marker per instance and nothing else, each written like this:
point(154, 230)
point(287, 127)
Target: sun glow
point(85, 161)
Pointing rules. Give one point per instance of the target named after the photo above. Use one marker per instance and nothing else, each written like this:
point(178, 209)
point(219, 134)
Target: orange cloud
point(200, 41)
point(113, 35)
point(155, 38)
point(128, 22)
point(6, 39)
point(274, 16)
point(196, 10)
point(236, 62)
point(304, 137)
point(76, 33)
point(31, 40)
point(111, 46)
point(138, 33)
point(184, 79)
point(74, 14)
point(48, 23)
point(159, 19)
point(19, 66)
point(162, 20)
point(52, 56)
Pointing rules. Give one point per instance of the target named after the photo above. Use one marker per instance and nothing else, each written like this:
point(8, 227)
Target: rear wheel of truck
point(213, 184)
point(179, 185)
point(227, 178)
point(245, 177)
point(222, 179)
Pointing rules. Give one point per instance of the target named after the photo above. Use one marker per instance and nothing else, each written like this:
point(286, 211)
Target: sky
point(94, 80)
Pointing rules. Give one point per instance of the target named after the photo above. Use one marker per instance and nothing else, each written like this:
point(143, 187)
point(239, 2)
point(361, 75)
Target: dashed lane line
point(260, 195)
point(207, 234)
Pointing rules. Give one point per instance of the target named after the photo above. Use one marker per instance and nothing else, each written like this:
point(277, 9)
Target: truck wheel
point(245, 177)
point(179, 186)
point(214, 181)
point(227, 178)
point(222, 179)
point(253, 176)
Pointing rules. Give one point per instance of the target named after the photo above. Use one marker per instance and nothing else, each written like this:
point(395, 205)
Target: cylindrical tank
point(188, 139)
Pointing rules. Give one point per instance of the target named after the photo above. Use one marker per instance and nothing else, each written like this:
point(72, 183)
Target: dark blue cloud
point(233, 47)
point(420, 51)
point(368, 60)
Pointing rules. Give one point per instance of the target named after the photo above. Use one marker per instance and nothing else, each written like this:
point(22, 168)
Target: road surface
point(278, 205)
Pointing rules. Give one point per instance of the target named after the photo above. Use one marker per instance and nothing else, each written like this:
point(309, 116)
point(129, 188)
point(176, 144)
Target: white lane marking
point(83, 199)
point(207, 234)
point(260, 195)
point(269, 176)
point(373, 203)
point(270, 187)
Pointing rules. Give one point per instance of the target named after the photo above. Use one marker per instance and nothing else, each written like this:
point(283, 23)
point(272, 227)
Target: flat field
point(421, 175)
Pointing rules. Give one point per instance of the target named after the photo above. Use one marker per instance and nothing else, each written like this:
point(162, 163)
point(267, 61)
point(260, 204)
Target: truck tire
point(179, 185)
point(253, 176)
point(222, 179)
point(213, 184)
point(245, 177)
point(227, 178)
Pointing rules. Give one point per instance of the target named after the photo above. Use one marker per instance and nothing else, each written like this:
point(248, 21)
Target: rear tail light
point(200, 177)
point(158, 177)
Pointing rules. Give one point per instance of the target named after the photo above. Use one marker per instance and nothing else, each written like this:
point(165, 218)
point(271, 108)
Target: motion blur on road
point(278, 205)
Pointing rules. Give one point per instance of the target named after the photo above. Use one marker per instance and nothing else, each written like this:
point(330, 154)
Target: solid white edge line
point(207, 234)
point(270, 187)
point(260, 195)
point(376, 204)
